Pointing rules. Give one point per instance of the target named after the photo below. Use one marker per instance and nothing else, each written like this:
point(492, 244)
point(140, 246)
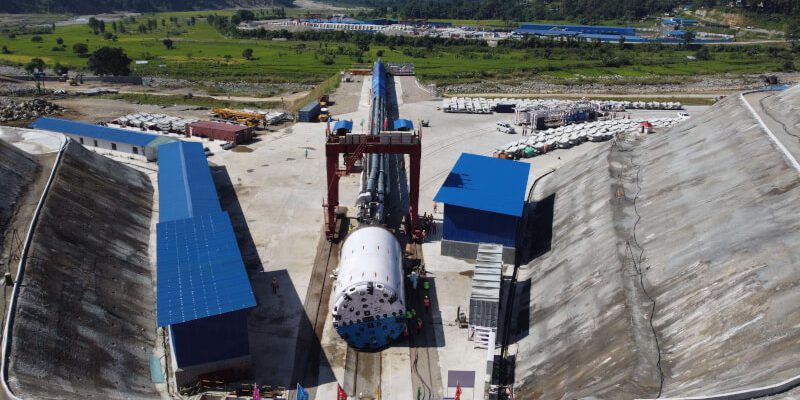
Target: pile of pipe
point(154, 122)
point(564, 137)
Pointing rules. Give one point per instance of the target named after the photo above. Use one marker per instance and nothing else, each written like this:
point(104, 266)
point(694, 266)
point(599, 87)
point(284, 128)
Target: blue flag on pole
point(301, 393)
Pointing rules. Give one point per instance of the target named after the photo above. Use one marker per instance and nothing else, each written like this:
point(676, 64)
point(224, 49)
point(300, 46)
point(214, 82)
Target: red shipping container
point(221, 131)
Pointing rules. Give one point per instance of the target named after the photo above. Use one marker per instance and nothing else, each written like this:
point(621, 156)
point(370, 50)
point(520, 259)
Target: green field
point(200, 54)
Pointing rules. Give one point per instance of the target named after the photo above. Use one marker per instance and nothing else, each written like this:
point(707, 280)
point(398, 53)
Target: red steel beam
point(334, 149)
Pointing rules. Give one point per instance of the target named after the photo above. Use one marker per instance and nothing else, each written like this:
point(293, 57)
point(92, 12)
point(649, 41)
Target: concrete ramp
point(785, 107)
point(17, 170)
point(85, 320)
point(669, 268)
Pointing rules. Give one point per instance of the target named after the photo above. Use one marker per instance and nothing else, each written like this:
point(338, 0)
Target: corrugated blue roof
point(185, 185)
point(401, 124)
point(486, 183)
point(200, 270)
point(594, 29)
point(93, 131)
point(346, 125)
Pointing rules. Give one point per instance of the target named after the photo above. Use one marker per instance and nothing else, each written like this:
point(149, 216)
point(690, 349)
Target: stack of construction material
point(564, 137)
point(155, 122)
point(479, 105)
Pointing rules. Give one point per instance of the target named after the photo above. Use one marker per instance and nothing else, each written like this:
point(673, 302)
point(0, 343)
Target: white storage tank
point(368, 296)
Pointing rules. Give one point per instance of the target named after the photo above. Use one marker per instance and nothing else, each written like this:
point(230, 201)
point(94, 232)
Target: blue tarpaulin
point(345, 126)
point(403, 125)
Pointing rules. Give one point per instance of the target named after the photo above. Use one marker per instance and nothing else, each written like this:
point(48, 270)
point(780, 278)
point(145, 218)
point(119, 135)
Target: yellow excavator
point(239, 117)
point(324, 114)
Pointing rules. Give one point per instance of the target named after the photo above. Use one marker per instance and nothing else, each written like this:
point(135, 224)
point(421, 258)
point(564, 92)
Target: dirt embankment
point(85, 319)
point(611, 85)
point(669, 268)
point(17, 170)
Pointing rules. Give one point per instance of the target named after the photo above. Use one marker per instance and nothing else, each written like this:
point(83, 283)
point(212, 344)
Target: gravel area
point(239, 87)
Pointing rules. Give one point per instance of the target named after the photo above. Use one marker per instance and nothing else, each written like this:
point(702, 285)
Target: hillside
point(103, 6)
point(670, 268)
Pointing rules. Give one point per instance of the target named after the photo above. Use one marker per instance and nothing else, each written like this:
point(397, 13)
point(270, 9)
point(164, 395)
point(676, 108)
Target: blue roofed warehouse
point(138, 144)
point(203, 291)
point(483, 201)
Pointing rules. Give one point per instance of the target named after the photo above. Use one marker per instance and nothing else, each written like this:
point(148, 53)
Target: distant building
point(483, 201)
point(579, 29)
point(131, 143)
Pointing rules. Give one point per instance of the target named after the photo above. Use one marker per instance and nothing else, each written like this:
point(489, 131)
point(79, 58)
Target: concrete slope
point(85, 320)
point(785, 107)
point(698, 227)
point(17, 170)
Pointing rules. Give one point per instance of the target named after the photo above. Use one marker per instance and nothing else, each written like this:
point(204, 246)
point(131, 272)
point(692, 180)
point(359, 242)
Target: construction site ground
point(274, 189)
point(279, 182)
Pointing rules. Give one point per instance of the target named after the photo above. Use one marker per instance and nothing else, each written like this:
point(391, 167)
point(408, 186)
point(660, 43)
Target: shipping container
point(220, 131)
point(310, 113)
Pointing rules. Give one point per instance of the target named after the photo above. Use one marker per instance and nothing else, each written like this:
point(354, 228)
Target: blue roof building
point(590, 29)
point(103, 137)
point(204, 293)
point(483, 201)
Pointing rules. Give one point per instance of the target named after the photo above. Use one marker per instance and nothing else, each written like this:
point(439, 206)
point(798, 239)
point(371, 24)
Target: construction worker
point(275, 285)
point(435, 206)
point(427, 303)
point(306, 153)
point(408, 315)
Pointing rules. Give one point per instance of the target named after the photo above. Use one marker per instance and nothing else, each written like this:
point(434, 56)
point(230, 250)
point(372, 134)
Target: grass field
point(202, 53)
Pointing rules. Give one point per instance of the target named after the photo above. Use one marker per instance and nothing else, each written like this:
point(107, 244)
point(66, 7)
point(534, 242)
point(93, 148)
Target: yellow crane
point(240, 117)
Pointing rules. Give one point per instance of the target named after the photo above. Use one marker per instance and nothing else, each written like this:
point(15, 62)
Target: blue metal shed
point(68, 127)
point(403, 125)
point(204, 292)
point(484, 198)
point(343, 127)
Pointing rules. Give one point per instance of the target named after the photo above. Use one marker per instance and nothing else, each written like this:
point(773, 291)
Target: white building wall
point(111, 148)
